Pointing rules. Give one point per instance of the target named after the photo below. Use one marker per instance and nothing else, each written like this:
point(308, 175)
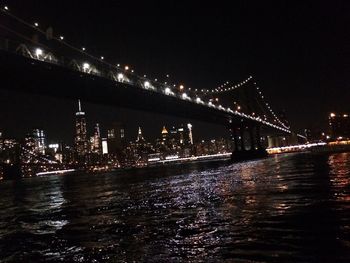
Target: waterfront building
point(339, 125)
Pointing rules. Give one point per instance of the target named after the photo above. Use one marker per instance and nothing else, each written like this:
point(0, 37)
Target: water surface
point(287, 208)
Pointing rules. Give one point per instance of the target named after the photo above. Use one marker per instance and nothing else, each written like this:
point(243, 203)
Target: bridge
point(54, 67)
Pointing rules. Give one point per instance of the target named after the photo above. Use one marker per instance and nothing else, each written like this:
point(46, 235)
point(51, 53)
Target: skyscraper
point(140, 138)
point(39, 139)
point(96, 141)
point(81, 140)
point(181, 134)
point(116, 138)
point(190, 136)
point(165, 135)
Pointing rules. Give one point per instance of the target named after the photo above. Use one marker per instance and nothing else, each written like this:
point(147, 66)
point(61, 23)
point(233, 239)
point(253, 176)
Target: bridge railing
point(116, 74)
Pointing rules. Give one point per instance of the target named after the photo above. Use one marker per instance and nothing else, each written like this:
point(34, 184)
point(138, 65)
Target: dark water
point(289, 208)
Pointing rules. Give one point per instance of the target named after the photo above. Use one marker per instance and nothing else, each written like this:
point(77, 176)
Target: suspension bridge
point(54, 67)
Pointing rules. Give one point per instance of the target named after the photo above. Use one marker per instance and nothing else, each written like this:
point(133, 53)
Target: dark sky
point(298, 52)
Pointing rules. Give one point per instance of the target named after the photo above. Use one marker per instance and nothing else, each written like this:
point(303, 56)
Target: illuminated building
point(115, 138)
point(181, 134)
point(165, 135)
point(190, 136)
point(55, 150)
point(9, 150)
point(140, 138)
point(81, 141)
point(35, 141)
point(339, 125)
point(96, 143)
point(104, 146)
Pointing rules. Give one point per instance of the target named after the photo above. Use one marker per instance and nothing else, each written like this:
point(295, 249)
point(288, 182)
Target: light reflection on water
point(291, 208)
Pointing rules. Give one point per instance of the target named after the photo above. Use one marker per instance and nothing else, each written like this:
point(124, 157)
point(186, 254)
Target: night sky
point(298, 53)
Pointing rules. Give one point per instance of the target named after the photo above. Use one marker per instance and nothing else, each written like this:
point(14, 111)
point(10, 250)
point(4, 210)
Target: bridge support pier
point(240, 152)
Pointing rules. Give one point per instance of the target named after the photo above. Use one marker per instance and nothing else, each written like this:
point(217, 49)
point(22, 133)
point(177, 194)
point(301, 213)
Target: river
point(285, 208)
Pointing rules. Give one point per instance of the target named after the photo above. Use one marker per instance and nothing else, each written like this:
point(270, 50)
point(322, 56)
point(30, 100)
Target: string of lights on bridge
point(262, 97)
point(227, 87)
point(148, 83)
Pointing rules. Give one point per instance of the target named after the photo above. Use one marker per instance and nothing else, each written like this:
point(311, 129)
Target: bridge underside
point(33, 76)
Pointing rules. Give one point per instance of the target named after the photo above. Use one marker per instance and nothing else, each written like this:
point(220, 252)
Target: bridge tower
point(247, 142)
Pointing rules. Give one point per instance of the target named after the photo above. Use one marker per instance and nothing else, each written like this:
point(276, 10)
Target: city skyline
point(60, 127)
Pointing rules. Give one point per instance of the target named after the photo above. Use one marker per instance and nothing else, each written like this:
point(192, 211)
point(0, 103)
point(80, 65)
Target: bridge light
point(126, 67)
point(238, 107)
point(6, 8)
point(102, 57)
point(83, 49)
point(168, 91)
point(120, 77)
point(132, 71)
point(332, 115)
point(184, 95)
point(38, 52)
point(61, 37)
point(182, 87)
point(147, 84)
point(86, 66)
point(36, 24)
point(216, 99)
